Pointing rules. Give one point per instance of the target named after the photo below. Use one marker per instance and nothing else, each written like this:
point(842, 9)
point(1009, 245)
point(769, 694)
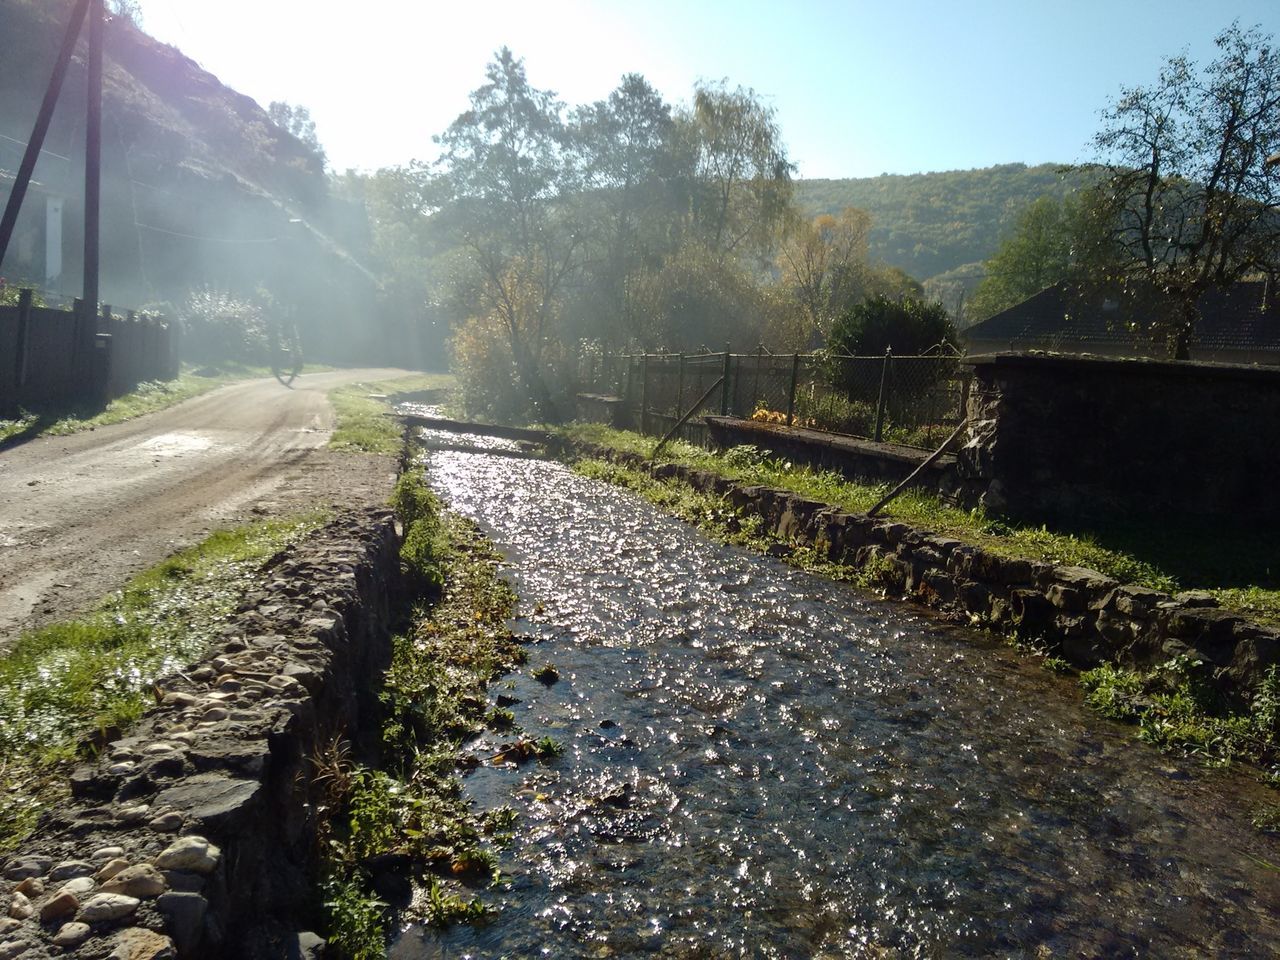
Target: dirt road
point(80, 514)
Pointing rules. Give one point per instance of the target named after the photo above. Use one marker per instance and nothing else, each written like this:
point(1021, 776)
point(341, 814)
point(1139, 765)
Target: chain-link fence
point(910, 399)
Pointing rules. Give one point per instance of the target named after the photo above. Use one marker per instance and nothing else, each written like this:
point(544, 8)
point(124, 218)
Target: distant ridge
point(931, 223)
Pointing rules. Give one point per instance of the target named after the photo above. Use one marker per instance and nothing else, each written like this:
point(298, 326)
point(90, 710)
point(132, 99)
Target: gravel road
point(80, 514)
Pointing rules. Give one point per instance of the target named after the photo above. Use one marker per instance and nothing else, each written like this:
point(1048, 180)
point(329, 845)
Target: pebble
point(133, 815)
point(107, 853)
point(71, 934)
point(15, 949)
point(156, 749)
point(122, 768)
point(8, 925)
point(61, 904)
point(20, 907)
point(179, 699)
point(166, 823)
point(189, 853)
point(31, 887)
point(143, 881)
point(112, 867)
point(28, 867)
point(214, 714)
point(70, 868)
point(107, 906)
point(79, 886)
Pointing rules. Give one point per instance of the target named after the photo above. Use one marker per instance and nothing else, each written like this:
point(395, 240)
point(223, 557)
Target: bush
point(217, 327)
point(908, 326)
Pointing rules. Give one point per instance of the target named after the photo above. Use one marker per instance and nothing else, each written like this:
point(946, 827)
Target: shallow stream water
point(762, 763)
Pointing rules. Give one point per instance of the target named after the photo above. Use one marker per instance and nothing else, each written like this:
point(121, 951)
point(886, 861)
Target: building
point(1237, 325)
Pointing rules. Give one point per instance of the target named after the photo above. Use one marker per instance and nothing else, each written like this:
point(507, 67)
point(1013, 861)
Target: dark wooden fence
point(50, 357)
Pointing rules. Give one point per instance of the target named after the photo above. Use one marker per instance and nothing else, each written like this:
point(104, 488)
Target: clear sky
point(860, 87)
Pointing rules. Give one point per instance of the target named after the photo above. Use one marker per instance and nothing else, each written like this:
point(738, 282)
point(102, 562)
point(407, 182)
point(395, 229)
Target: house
point(1237, 325)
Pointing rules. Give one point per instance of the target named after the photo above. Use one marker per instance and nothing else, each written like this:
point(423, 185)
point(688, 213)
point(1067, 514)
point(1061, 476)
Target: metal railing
point(901, 399)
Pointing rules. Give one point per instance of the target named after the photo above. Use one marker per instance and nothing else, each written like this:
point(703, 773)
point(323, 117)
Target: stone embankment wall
point(195, 835)
point(1056, 437)
point(1081, 614)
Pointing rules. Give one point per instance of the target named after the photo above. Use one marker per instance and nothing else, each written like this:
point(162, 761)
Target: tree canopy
point(1188, 201)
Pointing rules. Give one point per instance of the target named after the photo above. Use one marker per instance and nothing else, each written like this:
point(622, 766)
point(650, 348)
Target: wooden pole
point(24, 333)
point(918, 470)
point(14, 205)
point(685, 419)
point(93, 159)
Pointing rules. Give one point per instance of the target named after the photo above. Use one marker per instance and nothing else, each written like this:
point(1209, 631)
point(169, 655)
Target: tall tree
point(740, 189)
point(626, 141)
point(507, 183)
point(296, 120)
point(1039, 253)
point(1189, 202)
point(824, 266)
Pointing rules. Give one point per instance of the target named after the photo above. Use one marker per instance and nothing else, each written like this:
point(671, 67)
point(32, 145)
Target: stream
point(763, 763)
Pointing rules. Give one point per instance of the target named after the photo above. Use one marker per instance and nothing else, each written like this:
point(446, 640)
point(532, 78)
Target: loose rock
point(61, 904)
point(142, 881)
point(20, 907)
point(193, 853)
point(71, 934)
point(107, 906)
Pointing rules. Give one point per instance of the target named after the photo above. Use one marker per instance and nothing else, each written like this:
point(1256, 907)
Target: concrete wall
point(1068, 438)
point(195, 835)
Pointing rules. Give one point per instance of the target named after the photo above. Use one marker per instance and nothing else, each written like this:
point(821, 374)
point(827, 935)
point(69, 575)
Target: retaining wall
point(195, 836)
point(1064, 438)
point(1081, 614)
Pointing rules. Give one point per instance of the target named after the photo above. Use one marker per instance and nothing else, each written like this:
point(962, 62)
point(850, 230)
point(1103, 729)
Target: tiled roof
point(1233, 319)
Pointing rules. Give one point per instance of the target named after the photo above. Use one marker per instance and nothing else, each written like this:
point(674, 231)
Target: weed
point(362, 410)
point(356, 928)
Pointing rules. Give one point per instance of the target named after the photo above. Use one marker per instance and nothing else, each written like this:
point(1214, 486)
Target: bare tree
point(1188, 201)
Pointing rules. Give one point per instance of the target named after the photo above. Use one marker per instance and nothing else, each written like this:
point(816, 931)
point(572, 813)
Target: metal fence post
point(644, 393)
point(791, 394)
point(883, 397)
point(724, 387)
point(755, 386)
point(680, 387)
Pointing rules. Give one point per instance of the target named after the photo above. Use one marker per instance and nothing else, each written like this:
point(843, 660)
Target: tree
point(296, 121)
point(824, 265)
point(1188, 201)
point(507, 184)
point(740, 187)
point(130, 10)
point(1038, 254)
point(629, 171)
point(907, 327)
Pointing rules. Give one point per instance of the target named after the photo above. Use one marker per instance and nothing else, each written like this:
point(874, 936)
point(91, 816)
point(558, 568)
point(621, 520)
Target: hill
point(934, 223)
point(199, 187)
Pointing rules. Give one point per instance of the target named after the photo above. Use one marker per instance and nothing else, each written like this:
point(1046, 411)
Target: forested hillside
point(930, 223)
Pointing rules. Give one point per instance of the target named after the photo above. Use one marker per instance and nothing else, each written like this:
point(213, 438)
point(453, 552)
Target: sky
point(860, 88)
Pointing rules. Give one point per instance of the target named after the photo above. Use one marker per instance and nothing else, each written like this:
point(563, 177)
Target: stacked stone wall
point(196, 834)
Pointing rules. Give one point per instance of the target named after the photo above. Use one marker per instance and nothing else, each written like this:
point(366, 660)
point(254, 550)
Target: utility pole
point(93, 159)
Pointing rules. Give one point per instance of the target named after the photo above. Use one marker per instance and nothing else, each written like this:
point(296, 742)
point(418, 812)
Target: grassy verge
point(434, 698)
point(1172, 706)
point(1238, 567)
point(363, 426)
point(65, 681)
point(148, 397)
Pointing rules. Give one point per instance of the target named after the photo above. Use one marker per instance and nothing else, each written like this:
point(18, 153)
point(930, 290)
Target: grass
point(1238, 567)
point(433, 698)
point(1175, 708)
point(147, 397)
point(362, 408)
point(67, 680)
